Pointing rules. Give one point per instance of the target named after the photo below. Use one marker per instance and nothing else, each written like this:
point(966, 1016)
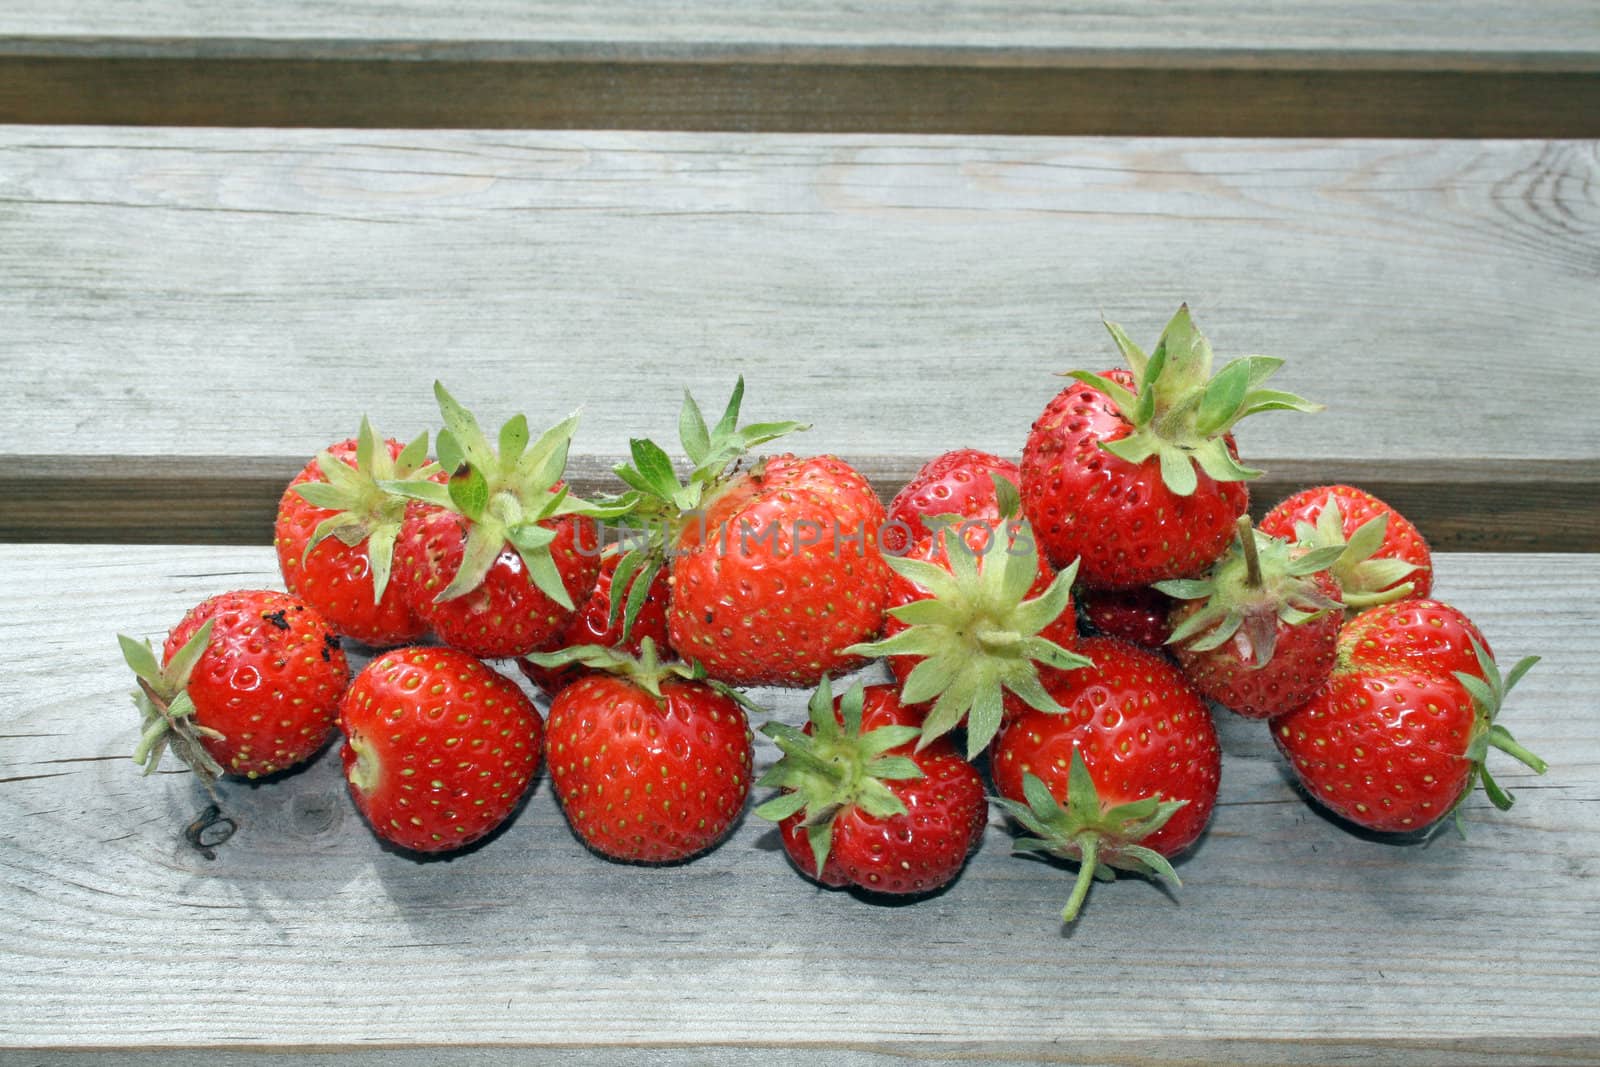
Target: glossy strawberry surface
point(269, 681)
point(439, 748)
point(960, 482)
point(592, 625)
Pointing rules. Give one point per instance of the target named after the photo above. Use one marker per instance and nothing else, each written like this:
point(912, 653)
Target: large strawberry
point(959, 483)
point(861, 806)
point(599, 621)
point(439, 748)
point(1397, 738)
point(776, 570)
point(249, 684)
point(1258, 633)
point(1388, 559)
point(335, 535)
point(1135, 474)
point(497, 560)
point(975, 616)
point(1134, 760)
point(651, 762)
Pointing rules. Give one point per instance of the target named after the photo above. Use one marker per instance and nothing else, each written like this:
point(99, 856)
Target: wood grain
point(984, 66)
point(174, 295)
point(1292, 940)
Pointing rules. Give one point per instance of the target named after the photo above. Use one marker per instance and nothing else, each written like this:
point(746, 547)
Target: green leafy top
point(1103, 840)
point(506, 493)
point(165, 707)
point(835, 767)
point(646, 670)
point(1179, 412)
point(659, 501)
point(1364, 582)
point(1488, 695)
point(363, 509)
point(978, 636)
point(1257, 584)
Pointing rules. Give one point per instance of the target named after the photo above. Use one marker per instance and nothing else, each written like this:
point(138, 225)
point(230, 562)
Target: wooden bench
point(186, 314)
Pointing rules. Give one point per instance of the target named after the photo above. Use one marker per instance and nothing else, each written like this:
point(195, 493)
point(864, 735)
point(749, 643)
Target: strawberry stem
point(1252, 559)
point(1090, 845)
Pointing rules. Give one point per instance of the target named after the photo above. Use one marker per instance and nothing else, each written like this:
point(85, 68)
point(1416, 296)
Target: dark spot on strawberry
point(277, 618)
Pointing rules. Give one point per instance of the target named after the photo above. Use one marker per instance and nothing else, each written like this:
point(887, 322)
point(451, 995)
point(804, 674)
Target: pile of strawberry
point(1129, 506)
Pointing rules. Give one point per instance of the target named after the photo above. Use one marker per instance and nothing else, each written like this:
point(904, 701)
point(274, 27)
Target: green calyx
point(363, 509)
point(1179, 412)
point(1488, 695)
point(506, 492)
point(646, 670)
point(1103, 840)
point(1261, 582)
point(1364, 582)
point(834, 768)
point(166, 711)
point(660, 503)
point(977, 635)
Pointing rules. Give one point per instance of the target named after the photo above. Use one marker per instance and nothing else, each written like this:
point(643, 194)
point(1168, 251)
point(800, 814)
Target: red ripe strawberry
point(861, 807)
point(957, 483)
point(1388, 555)
point(1258, 634)
point(599, 622)
point(775, 570)
point(1139, 616)
point(250, 685)
point(971, 630)
point(1136, 475)
point(651, 763)
point(496, 561)
point(1397, 738)
point(1134, 759)
point(335, 535)
point(439, 749)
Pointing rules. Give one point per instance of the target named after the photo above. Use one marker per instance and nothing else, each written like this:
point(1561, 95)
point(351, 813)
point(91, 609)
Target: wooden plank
point(175, 295)
point(1291, 940)
point(1331, 68)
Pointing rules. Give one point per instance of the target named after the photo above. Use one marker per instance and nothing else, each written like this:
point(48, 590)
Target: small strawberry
point(249, 685)
point(776, 570)
point(1259, 633)
point(972, 627)
point(1134, 759)
point(439, 749)
point(496, 561)
point(651, 762)
point(861, 807)
point(335, 535)
point(959, 483)
point(1140, 616)
point(1388, 558)
point(1397, 738)
point(599, 621)
point(1136, 475)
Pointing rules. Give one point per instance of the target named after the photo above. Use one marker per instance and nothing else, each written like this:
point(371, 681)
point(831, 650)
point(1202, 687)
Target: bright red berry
point(597, 622)
point(1390, 557)
point(956, 483)
point(439, 749)
point(1139, 616)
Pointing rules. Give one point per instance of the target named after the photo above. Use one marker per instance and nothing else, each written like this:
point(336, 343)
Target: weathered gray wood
point(1333, 68)
point(1291, 939)
point(180, 295)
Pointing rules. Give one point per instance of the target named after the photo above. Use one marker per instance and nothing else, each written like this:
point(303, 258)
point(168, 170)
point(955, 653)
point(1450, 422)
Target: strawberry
point(957, 483)
point(1140, 616)
point(249, 685)
point(1397, 738)
point(599, 622)
point(439, 749)
point(971, 627)
point(1258, 634)
point(651, 762)
point(1388, 555)
point(496, 561)
point(860, 806)
point(1134, 759)
point(776, 570)
point(335, 535)
point(1136, 475)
